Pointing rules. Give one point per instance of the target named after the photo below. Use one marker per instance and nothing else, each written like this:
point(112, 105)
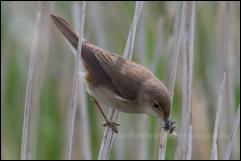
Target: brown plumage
point(118, 82)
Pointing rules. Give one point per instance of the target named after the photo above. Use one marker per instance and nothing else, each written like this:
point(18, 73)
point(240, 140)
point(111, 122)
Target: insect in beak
point(169, 126)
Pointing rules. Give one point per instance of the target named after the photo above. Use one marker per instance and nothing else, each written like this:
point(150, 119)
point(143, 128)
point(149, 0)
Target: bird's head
point(156, 101)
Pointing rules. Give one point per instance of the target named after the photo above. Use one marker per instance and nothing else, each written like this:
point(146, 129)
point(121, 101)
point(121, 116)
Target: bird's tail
point(69, 33)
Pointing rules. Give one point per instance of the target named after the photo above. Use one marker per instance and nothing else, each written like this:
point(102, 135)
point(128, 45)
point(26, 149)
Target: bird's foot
point(112, 125)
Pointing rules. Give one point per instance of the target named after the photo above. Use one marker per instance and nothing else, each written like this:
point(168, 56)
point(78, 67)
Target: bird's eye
point(156, 105)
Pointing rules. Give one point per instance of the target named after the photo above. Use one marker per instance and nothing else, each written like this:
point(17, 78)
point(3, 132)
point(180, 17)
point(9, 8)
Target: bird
point(117, 82)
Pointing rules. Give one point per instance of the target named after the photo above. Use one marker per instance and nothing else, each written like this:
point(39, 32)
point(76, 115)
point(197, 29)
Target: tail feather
point(69, 33)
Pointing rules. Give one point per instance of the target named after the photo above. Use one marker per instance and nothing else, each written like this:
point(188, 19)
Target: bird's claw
point(112, 125)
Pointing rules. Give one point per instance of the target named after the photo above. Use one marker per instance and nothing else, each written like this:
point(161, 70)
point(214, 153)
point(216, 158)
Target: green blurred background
point(217, 50)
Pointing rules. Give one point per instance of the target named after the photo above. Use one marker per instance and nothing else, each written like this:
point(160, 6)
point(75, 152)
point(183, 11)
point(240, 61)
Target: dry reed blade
point(183, 149)
point(234, 130)
point(214, 153)
point(142, 148)
point(75, 87)
point(84, 119)
point(114, 114)
point(44, 38)
point(178, 31)
point(29, 87)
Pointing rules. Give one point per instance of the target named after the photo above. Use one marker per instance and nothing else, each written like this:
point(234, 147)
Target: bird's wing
point(120, 74)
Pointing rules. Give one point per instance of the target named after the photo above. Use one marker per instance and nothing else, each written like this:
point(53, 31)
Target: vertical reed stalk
point(114, 114)
point(32, 61)
point(178, 33)
point(142, 148)
point(75, 86)
point(39, 77)
point(84, 119)
point(214, 152)
point(234, 130)
point(225, 63)
point(98, 26)
point(141, 48)
point(184, 141)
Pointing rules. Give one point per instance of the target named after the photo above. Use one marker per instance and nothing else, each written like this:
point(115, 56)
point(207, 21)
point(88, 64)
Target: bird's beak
point(167, 121)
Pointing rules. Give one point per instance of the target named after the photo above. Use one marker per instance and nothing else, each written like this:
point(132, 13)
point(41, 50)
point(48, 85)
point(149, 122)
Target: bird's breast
point(104, 96)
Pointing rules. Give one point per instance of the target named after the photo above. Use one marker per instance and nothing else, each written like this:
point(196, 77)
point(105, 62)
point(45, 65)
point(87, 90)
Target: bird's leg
point(111, 124)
